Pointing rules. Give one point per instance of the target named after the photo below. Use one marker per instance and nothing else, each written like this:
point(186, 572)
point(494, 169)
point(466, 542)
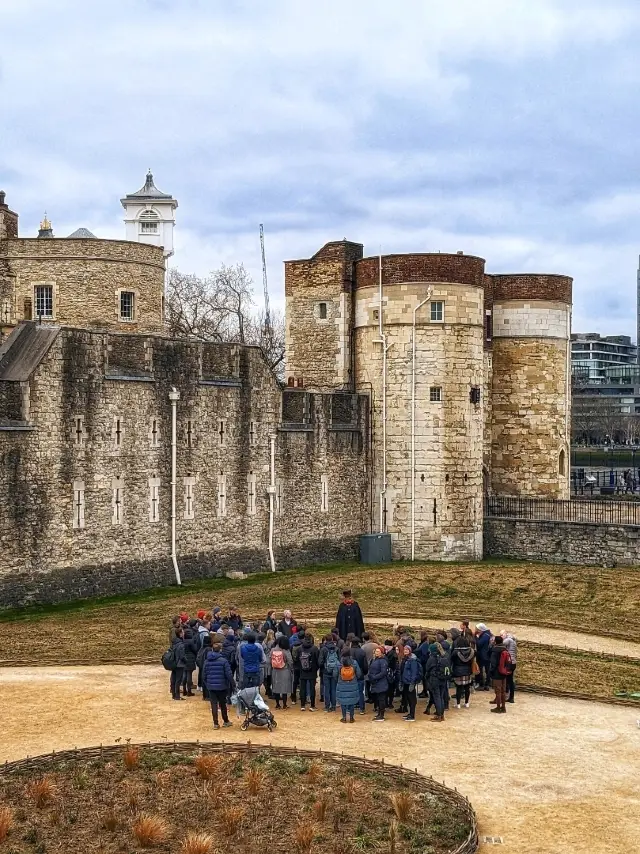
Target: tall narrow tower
point(149, 216)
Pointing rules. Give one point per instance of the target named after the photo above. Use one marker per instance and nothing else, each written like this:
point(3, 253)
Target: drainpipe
point(383, 340)
point(174, 397)
point(413, 425)
point(272, 499)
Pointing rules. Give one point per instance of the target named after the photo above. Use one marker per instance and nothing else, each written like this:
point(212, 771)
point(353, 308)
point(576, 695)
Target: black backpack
point(169, 658)
point(305, 659)
point(443, 666)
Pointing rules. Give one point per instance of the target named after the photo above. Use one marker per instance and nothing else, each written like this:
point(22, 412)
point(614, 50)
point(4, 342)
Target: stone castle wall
point(448, 432)
point(87, 276)
point(100, 419)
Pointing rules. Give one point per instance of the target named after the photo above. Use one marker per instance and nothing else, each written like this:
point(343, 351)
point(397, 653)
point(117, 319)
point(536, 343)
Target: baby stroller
point(256, 711)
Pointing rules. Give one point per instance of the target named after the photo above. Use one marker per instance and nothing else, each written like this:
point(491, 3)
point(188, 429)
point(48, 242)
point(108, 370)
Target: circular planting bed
point(200, 798)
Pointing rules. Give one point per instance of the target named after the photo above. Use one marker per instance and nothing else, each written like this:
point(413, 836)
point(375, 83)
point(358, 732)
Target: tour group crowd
point(351, 666)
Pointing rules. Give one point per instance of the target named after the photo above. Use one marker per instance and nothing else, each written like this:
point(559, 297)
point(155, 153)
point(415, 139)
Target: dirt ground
point(551, 776)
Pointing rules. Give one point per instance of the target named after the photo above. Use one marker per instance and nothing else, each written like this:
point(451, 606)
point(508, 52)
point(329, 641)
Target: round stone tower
point(531, 383)
point(427, 443)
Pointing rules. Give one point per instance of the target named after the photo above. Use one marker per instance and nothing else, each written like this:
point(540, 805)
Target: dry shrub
point(342, 845)
point(6, 822)
point(110, 821)
point(393, 836)
point(230, 818)
point(41, 791)
point(207, 766)
point(254, 779)
point(197, 843)
point(214, 795)
point(132, 796)
point(402, 805)
point(350, 788)
point(315, 772)
point(150, 830)
point(131, 757)
point(163, 778)
point(303, 838)
point(55, 817)
point(320, 808)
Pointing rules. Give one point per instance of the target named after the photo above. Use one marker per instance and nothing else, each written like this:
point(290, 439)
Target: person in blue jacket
point(218, 679)
point(378, 682)
point(410, 675)
point(252, 661)
point(347, 691)
point(483, 655)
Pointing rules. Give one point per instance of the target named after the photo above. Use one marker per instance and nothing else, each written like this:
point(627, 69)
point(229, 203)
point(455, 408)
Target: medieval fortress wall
point(378, 429)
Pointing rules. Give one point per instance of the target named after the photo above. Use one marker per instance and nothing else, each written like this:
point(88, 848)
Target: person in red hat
point(201, 614)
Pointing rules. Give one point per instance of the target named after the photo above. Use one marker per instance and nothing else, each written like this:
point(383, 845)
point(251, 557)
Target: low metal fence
point(552, 510)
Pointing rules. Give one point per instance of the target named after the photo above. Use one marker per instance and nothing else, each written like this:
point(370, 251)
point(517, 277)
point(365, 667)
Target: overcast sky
point(502, 128)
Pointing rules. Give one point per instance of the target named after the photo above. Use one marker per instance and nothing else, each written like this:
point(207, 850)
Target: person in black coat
point(190, 654)
point(349, 618)
point(379, 682)
point(177, 672)
point(393, 671)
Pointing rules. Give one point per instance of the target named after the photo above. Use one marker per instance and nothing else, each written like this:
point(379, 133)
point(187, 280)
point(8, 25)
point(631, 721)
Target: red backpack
point(505, 665)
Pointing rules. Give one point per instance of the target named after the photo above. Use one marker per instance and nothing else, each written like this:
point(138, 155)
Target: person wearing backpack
point(438, 671)
point(347, 693)
point(378, 682)
point(330, 666)
point(252, 656)
point(308, 659)
point(178, 664)
point(281, 671)
point(360, 657)
point(410, 675)
point(499, 668)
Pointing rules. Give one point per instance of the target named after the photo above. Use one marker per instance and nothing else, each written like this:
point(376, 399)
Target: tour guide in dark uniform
point(349, 618)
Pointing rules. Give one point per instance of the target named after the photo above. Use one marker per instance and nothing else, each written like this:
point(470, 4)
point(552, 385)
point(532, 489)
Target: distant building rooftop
point(82, 233)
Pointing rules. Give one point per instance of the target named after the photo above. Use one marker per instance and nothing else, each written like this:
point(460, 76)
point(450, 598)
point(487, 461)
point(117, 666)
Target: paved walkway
point(552, 776)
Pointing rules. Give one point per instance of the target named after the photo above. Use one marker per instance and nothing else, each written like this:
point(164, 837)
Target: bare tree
point(220, 307)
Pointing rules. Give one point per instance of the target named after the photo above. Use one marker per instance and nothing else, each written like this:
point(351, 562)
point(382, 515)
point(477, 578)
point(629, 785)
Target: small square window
point(435, 393)
point(437, 312)
point(322, 311)
point(127, 305)
point(44, 300)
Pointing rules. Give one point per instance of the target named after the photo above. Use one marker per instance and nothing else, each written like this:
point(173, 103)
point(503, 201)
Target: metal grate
point(491, 840)
point(343, 409)
point(295, 407)
point(551, 510)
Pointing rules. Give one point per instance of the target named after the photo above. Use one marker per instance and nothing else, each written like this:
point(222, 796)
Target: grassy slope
point(581, 598)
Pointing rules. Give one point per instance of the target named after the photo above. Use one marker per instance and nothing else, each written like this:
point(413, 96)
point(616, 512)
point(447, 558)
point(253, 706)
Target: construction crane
point(267, 312)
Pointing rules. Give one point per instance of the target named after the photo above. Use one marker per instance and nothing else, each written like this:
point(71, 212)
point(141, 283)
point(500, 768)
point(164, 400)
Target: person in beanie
point(378, 682)
point(349, 618)
point(218, 680)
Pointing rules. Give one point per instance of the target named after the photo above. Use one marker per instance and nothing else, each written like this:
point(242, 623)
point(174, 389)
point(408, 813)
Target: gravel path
point(551, 776)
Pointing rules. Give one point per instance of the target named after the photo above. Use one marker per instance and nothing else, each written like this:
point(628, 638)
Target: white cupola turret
point(149, 216)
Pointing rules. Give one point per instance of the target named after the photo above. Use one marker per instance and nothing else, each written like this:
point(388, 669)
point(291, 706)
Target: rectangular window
point(44, 300)
point(117, 500)
point(279, 496)
point(154, 433)
point(437, 312)
point(148, 227)
point(324, 494)
point(5, 311)
point(322, 310)
point(188, 434)
point(189, 510)
point(376, 314)
point(251, 494)
point(222, 495)
point(78, 504)
point(488, 325)
point(127, 305)
point(253, 434)
point(117, 432)
point(78, 431)
point(435, 394)
point(154, 499)
point(222, 432)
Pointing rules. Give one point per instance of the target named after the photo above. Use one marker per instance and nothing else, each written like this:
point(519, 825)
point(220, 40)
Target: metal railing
point(550, 510)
